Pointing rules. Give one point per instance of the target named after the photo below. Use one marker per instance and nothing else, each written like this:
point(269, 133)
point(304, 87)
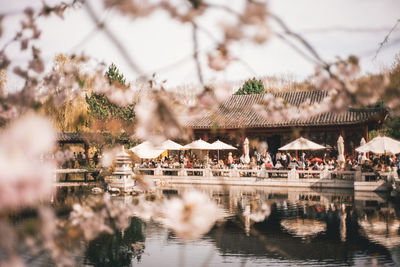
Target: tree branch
point(113, 38)
point(386, 39)
point(305, 43)
point(196, 53)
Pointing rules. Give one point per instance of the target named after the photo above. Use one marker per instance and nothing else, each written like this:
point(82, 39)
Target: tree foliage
point(251, 86)
point(113, 75)
point(102, 109)
point(392, 123)
point(114, 122)
point(71, 114)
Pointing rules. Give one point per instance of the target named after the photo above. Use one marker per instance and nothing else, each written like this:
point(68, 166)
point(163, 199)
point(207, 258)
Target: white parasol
point(340, 144)
point(170, 145)
point(381, 145)
point(199, 145)
point(246, 151)
point(363, 155)
point(219, 145)
point(146, 150)
point(302, 144)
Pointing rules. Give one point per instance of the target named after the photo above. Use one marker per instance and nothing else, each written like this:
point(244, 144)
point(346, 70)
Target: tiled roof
point(238, 112)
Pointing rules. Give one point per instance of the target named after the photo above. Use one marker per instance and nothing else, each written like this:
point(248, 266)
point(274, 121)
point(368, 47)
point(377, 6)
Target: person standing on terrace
point(230, 160)
point(284, 159)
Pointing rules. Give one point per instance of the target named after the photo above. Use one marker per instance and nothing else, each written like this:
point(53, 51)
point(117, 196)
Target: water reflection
point(118, 249)
point(329, 226)
point(292, 227)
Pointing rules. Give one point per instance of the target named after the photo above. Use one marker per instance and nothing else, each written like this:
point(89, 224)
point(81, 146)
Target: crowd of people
point(80, 160)
point(281, 161)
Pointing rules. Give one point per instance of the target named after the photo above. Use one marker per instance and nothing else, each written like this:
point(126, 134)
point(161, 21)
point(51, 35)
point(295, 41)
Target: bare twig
point(297, 49)
point(372, 52)
point(90, 34)
point(343, 29)
point(196, 53)
point(245, 64)
point(225, 8)
point(386, 39)
point(113, 38)
point(317, 59)
point(304, 42)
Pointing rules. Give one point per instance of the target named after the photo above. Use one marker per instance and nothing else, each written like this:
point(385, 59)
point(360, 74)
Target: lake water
point(304, 228)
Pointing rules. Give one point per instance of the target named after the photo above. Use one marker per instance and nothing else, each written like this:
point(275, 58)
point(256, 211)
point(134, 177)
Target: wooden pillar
point(205, 136)
point(86, 147)
point(366, 134)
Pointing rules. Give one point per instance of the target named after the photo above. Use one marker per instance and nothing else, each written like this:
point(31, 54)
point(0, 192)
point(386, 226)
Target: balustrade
point(259, 173)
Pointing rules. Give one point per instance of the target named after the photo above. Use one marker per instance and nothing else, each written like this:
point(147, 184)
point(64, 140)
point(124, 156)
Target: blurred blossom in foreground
point(109, 155)
point(189, 217)
point(157, 119)
point(26, 175)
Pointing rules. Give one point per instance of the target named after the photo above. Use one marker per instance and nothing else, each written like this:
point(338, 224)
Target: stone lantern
point(123, 174)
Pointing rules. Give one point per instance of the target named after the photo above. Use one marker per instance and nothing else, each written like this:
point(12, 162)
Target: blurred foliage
point(251, 86)
point(114, 122)
point(391, 125)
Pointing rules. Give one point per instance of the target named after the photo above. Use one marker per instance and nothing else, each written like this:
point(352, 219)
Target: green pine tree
point(251, 86)
point(113, 75)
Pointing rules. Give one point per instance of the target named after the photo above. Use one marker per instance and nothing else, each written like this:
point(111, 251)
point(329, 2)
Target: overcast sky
point(161, 45)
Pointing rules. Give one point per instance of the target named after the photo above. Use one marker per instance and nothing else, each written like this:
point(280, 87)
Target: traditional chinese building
point(236, 119)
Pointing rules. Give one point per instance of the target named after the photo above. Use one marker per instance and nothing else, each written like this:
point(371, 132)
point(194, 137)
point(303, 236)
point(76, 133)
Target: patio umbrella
point(302, 144)
point(340, 143)
point(170, 145)
point(363, 156)
point(146, 150)
point(200, 145)
point(246, 151)
point(219, 145)
point(316, 159)
point(381, 145)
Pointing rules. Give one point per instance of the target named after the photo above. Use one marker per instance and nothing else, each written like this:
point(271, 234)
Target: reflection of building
point(236, 118)
point(384, 232)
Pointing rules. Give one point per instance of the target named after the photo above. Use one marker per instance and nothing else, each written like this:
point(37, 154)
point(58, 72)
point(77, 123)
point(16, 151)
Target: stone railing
point(375, 176)
point(292, 174)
